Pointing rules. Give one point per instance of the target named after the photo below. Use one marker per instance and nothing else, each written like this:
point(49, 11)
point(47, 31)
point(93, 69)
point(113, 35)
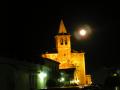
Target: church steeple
point(62, 28)
point(63, 39)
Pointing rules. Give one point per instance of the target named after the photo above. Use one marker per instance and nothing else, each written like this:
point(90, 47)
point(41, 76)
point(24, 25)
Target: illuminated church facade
point(69, 58)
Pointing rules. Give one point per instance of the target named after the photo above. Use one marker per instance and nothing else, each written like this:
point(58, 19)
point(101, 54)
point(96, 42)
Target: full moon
point(82, 32)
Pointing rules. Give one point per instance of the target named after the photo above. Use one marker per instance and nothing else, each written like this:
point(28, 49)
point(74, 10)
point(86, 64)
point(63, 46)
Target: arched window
point(65, 41)
point(61, 41)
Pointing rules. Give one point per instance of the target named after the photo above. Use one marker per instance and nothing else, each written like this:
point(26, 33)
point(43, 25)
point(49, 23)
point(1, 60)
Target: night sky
point(32, 27)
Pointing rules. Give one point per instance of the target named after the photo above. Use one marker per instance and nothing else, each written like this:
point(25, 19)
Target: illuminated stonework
point(68, 58)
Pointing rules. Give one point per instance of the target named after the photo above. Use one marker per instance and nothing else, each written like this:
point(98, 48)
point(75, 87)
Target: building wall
point(48, 72)
point(6, 77)
point(22, 80)
point(13, 78)
point(20, 75)
point(50, 56)
point(88, 79)
point(77, 60)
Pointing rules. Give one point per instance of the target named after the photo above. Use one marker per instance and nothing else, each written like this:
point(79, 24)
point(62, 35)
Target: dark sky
point(32, 27)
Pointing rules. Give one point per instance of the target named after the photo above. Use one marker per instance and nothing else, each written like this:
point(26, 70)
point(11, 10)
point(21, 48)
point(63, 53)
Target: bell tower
point(63, 39)
point(63, 44)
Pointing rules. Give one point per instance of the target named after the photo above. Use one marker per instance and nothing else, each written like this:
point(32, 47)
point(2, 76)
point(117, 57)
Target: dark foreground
point(73, 88)
point(86, 88)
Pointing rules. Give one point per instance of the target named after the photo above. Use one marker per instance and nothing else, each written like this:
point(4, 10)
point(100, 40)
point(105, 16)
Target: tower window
point(65, 41)
point(61, 41)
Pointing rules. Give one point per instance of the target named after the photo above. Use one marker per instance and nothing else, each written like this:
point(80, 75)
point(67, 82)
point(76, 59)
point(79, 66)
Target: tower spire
point(62, 28)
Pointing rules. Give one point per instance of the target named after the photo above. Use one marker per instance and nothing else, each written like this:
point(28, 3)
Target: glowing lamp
point(42, 75)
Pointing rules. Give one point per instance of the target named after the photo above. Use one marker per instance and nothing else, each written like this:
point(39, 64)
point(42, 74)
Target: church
point(69, 58)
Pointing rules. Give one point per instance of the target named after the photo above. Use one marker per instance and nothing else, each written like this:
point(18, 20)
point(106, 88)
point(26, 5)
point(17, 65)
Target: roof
point(46, 60)
point(62, 29)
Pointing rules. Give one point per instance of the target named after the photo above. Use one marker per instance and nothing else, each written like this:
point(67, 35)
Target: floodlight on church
point(42, 75)
point(62, 79)
point(115, 74)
